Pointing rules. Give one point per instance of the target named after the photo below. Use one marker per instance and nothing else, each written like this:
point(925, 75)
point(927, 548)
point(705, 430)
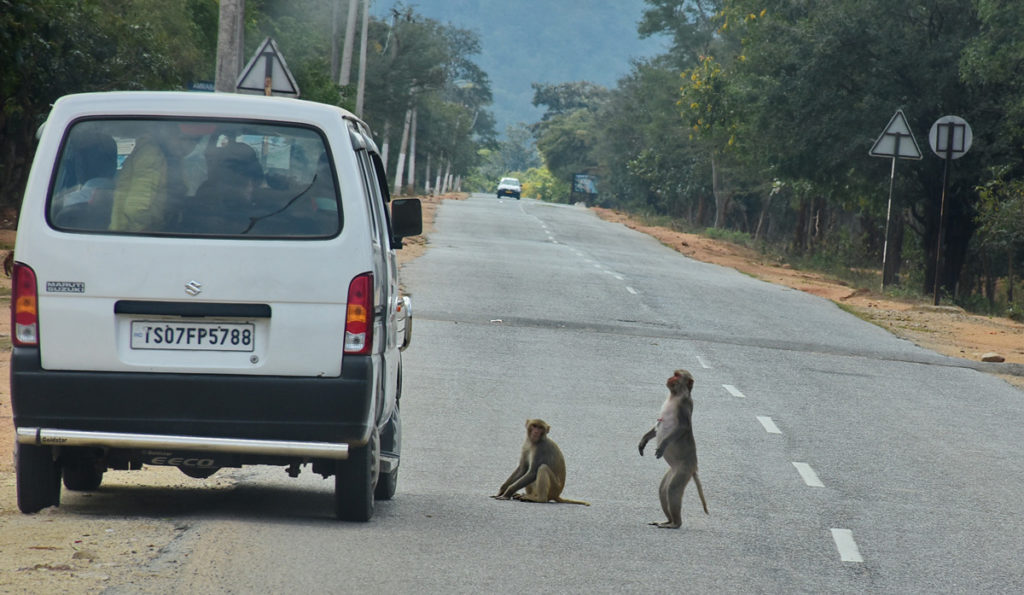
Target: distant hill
point(526, 41)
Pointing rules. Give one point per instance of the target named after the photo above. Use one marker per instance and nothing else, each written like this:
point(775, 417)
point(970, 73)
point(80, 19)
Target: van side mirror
point(406, 218)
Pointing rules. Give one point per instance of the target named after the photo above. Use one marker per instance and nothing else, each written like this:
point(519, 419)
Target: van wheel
point(82, 476)
point(38, 478)
point(355, 480)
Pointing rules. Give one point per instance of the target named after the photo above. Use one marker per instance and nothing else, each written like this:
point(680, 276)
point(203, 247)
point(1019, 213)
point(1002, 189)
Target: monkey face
point(679, 376)
point(536, 429)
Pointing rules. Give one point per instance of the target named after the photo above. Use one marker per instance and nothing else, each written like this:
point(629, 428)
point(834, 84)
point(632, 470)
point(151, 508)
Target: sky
point(526, 41)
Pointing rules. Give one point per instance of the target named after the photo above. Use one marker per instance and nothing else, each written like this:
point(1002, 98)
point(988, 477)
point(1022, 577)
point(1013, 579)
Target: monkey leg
point(663, 495)
point(546, 487)
point(673, 493)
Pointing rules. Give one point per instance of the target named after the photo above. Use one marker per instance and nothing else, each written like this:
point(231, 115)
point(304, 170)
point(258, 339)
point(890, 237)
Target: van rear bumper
point(216, 408)
point(54, 437)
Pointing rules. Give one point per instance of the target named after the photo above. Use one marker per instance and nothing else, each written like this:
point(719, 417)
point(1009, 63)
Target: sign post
point(950, 138)
point(890, 144)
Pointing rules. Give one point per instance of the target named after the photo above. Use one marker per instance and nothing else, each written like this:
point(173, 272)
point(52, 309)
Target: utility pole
point(334, 35)
point(362, 59)
point(230, 41)
point(350, 34)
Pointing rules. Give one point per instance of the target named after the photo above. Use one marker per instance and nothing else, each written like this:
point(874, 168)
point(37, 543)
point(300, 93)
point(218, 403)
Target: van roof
point(199, 105)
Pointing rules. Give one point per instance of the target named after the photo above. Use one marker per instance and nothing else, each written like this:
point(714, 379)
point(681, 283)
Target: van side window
point(209, 178)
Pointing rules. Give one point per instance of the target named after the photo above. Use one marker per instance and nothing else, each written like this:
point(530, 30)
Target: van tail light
point(359, 318)
point(24, 307)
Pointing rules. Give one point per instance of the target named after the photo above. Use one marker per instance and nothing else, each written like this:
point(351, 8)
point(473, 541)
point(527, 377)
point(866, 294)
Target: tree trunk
point(800, 237)
point(1009, 275)
point(894, 252)
point(426, 177)
point(722, 197)
point(386, 145)
point(764, 214)
point(400, 166)
point(437, 183)
point(411, 179)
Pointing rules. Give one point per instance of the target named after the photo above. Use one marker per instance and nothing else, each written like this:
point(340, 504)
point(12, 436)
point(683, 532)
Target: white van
point(205, 281)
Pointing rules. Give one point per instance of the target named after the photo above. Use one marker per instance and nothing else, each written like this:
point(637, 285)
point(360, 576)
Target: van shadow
point(249, 500)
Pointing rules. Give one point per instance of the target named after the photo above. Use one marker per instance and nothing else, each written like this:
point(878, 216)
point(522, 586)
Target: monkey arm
point(520, 470)
point(647, 438)
point(524, 480)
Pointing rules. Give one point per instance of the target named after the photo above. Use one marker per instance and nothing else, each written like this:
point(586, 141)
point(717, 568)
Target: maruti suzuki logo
point(193, 287)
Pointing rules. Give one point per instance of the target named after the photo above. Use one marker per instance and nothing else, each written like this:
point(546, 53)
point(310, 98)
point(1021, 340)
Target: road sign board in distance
point(267, 63)
point(950, 137)
point(896, 140)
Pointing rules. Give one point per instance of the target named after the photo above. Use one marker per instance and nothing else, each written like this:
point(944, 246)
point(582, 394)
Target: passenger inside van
point(86, 180)
point(223, 203)
point(150, 187)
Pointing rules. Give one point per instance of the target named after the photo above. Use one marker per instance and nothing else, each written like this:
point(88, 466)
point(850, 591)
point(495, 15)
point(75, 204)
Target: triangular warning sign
point(267, 73)
point(896, 140)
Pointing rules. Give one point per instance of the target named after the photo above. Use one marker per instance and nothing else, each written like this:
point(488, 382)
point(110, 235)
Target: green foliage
point(539, 182)
point(52, 48)
point(1000, 212)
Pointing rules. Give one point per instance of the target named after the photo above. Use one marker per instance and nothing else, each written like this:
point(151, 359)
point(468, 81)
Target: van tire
point(82, 476)
point(355, 480)
point(38, 478)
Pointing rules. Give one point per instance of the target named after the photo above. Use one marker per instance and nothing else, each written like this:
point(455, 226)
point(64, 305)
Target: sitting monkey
point(674, 430)
point(541, 469)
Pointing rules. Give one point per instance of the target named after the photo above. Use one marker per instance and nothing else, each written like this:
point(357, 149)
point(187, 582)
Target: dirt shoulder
point(948, 330)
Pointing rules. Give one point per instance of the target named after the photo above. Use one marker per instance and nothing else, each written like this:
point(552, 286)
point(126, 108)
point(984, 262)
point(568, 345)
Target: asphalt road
point(835, 457)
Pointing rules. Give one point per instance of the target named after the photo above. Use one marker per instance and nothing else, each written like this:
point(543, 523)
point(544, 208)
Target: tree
point(51, 48)
point(1000, 222)
point(566, 133)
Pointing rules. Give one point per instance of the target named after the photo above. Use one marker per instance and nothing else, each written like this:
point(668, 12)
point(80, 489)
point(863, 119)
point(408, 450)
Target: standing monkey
point(541, 469)
point(675, 442)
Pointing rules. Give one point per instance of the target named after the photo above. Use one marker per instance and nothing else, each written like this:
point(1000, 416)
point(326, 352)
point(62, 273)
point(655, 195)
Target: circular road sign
point(950, 137)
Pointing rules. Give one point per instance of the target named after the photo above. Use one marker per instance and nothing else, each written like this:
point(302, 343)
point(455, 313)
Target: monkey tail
point(568, 501)
point(700, 492)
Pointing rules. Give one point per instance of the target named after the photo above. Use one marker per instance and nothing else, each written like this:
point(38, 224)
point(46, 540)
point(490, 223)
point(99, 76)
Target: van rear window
point(213, 178)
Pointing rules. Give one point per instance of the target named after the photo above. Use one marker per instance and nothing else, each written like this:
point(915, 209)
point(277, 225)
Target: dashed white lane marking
point(631, 290)
point(734, 391)
point(597, 266)
point(810, 477)
point(703, 363)
point(769, 425)
point(847, 547)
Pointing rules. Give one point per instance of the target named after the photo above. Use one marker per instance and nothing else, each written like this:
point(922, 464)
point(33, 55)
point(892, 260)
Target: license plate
point(193, 336)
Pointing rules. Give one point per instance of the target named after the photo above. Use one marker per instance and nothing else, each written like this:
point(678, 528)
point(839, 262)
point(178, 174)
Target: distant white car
point(509, 187)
